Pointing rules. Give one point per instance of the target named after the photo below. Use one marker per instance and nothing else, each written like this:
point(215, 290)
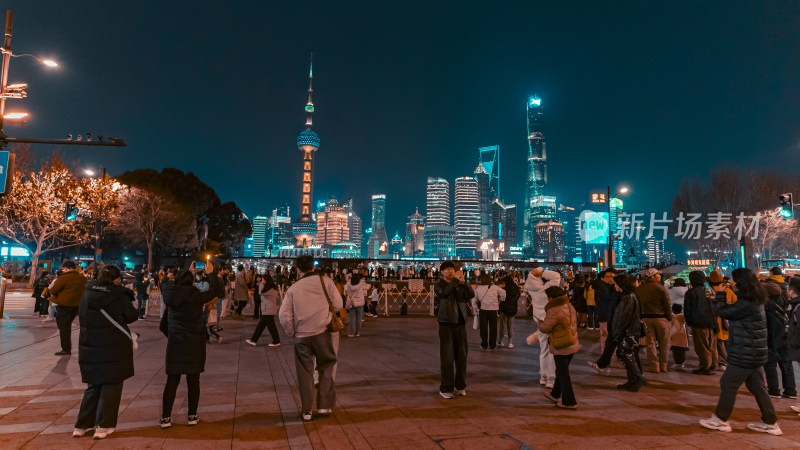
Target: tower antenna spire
point(310, 104)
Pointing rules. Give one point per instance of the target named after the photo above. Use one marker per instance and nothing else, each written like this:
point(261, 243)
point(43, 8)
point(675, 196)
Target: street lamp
point(98, 221)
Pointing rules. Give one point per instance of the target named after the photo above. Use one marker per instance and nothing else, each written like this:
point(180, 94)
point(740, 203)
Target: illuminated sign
point(384, 247)
point(699, 262)
point(616, 203)
point(598, 198)
point(536, 101)
point(593, 227)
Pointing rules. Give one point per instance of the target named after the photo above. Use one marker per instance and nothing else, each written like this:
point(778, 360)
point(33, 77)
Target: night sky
point(641, 93)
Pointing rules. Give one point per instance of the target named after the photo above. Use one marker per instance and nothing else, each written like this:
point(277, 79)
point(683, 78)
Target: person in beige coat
point(561, 317)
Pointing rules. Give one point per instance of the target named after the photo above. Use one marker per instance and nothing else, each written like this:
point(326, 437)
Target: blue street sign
point(4, 156)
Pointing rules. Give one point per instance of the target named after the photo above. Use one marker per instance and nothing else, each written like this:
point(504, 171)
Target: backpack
point(509, 306)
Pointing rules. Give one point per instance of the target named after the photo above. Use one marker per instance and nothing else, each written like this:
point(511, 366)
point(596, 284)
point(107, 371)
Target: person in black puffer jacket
point(793, 337)
point(105, 353)
point(186, 340)
point(777, 326)
point(701, 318)
point(747, 354)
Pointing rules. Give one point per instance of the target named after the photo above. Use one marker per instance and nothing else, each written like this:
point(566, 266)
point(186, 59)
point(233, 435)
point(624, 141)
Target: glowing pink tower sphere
point(305, 228)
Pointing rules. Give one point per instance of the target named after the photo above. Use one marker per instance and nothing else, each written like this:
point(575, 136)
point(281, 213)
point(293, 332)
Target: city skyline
point(615, 83)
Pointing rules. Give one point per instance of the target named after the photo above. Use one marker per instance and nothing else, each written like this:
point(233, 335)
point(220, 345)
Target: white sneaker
point(447, 395)
point(714, 423)
point(80, 432)
point(307, 415)
point(510, 345)
point(795, 408)
point(550, 383)
point(250, 342)
point(500, 344)
point(324, 412)
point(542, 380)
point(460, 392)
point(762, 427)
point(100, 433)
point(275, 345)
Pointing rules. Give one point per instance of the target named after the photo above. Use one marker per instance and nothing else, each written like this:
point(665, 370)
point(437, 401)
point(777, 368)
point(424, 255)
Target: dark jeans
point(240, 304)
point(268, 322)
point(453, 356)
point(775, 361)
point(100, 406)
point(141, 306)
point(729, 384)
point(193, 385)
point(488, 321)
point(628, 354)
point(608, 350)
point(373, 308)
point(42, 306)
point(257, 307)
point(591, 312)
point(306, 350)
point(64, 317)
point(563, 386)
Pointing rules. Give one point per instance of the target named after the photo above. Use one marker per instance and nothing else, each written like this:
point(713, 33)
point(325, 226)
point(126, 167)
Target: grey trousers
point(306, 350)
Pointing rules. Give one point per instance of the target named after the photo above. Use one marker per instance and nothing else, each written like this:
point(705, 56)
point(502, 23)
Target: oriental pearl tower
point(305, 228)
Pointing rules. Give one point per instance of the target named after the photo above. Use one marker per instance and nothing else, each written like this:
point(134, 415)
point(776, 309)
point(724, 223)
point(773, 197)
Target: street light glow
point(623, 190)
point(16, 115)
point(49, 63)
point(89, 172)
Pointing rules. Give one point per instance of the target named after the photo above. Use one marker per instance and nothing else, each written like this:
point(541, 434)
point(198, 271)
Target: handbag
point(134, 337)
point(336, 325)
point(561, 336)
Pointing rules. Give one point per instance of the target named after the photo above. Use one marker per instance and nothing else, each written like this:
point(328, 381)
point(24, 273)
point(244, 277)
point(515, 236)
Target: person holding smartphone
point(451, 295)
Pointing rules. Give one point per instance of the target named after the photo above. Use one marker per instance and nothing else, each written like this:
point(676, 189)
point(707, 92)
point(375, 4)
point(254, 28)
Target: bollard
point(3, 283)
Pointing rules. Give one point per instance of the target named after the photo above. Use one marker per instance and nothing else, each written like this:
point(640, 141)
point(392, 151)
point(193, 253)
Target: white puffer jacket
point(489, 296)
point(535, 287)
point(355, 294)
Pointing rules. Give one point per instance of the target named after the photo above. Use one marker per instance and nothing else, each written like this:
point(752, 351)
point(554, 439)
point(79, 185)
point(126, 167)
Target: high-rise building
point(438, 202)
point(490, 161)
point(440, 241)
point(304, 228)
point(259, 235)
point(332, 224)
point(655, 250)
point(549, 241)
point(467, 216)
point(485, 200)
point(415, 234)
point(279, 230)
point(536, 183)
point(504, 223)
point(354, 224)
point(396, 246)
point(378, 244)
point(573, 245)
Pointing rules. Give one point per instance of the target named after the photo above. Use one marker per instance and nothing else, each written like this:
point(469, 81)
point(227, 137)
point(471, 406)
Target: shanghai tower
point(536, 183)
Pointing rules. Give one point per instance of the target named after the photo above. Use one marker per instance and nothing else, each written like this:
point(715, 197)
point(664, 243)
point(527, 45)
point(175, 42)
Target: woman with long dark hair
point(269, 307)
point(186, 340)
point(747, 353)
point(105, 351)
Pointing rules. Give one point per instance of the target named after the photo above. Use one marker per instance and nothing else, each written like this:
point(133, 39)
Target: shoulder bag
point(134, 337)
point(561, 336)
point(336, 324)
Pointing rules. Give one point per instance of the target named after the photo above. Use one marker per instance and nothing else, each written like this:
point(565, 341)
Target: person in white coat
point(355, 291)
point(487, 301)
point(538, 281)
point(269, 308)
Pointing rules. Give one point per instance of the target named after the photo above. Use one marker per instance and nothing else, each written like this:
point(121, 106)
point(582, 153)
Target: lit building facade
point(378, 244)
point(503, 221)
point(490, 161)
point(260, 235)
point(549, 241)
point(655, 250)
point(305, 228)
point(573, 244)
point(440, 241)
point(332, 224)
point(438, 202)
point(354, 224)
point(279, 230)
point(415, 234)
point(467, 216)
point(536, 183)
point(485, 199)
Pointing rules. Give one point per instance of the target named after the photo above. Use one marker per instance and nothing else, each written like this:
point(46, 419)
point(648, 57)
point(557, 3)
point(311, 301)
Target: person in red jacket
point(67, 291)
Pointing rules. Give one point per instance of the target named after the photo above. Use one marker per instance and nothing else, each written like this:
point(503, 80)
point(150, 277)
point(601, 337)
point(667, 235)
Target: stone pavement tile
point(198, 443)
point(60, 441)
point(762, 440)
point(650, 441)
point(436, 432)
point(492, 442)
point(416, 441)
point(128, 440)
point(709, 439)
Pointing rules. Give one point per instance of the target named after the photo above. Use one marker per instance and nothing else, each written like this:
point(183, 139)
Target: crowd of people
point(744, 327)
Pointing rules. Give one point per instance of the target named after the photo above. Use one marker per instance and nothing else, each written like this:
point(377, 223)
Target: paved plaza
point(387, 397)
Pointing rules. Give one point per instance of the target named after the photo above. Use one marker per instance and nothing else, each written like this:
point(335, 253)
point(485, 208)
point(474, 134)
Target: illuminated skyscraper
point(549, 237)
point(332, 224)
point(467, 216)
point(485, 198)
point(438, 202)
point(304, 228)
point(504, 223)
point(354, 223)
point(536, 183)
point(259, 235)
point(415, 234)
point(490, 160)
point(378, 244)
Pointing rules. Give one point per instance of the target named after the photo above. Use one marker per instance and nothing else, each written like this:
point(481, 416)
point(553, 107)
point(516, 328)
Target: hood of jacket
point(777, 278)
point(175, 295)
point(556, 301)
point(99, 297)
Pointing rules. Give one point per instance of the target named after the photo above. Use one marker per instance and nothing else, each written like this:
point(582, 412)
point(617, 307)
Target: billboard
point(593, 227)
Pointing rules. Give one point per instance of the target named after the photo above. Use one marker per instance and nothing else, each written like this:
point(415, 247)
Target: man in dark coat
point(701, 318)
point(186, 339)
point(777, 326)
point(41, 303)
point(105, 352)
point(451, 295)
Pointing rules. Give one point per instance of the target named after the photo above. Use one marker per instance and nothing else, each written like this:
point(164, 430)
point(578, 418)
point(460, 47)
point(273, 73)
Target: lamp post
point(610, 253)
point(98, 222)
